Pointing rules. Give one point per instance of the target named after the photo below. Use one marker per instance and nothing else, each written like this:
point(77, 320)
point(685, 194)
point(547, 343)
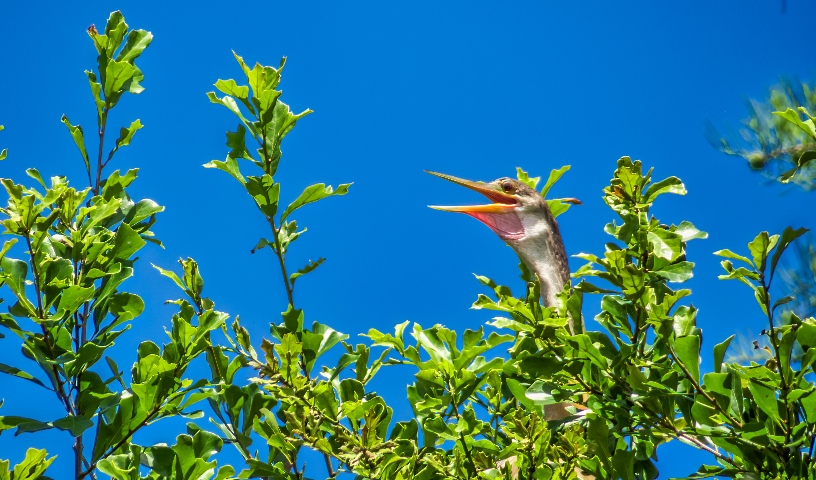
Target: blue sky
point(473, 89)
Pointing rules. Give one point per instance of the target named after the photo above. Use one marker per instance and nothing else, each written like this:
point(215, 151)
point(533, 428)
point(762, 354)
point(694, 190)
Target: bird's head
point(517, 212)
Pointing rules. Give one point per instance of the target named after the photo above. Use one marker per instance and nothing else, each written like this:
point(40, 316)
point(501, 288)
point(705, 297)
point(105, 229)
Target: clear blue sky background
point(473, 89)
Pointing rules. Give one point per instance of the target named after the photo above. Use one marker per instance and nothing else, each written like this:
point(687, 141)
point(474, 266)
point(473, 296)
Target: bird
point(520, 216)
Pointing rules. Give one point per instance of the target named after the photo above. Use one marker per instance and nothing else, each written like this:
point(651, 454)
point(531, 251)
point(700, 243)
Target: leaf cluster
point(777, 138)
point(522, 397)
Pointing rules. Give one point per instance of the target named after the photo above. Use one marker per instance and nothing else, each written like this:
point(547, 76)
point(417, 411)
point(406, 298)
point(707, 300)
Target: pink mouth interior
point(506, 225)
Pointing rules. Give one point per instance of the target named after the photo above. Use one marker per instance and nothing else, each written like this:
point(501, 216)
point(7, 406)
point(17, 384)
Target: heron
point(520, 216)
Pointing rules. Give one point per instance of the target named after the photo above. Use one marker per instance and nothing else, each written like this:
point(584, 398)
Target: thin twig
point(699, 389)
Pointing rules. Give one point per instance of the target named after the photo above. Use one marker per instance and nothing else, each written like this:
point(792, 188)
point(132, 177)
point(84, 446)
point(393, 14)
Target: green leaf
point(729, 254)
point(676, 272)
point(96, 90)
point(79, 140)
point(73, 297)
point(525, 178)
point(788, 236)
point(793, 117)
point(15, 272)
point(308, 268)
point(75, 425)
point(16, 372)
point(229, 102)
point(719, 353)
point(558, 207)
point(668, 185)
point(230, 166)
point(117, 75)
point(23, 424)
point(809, 405)
point(231, 88)
point(624, 462)
point(519, 391)
point(760, 247)
point(687, 231)
point(665, 244)
point(172, 276)
point(125, 136)
point(765, 398)
point(127, 242)
point(319, 341)
point(541, 393)
point(236, 141)
point(555, 175)
point(33, 465)
point(142, 210)
point(137, 41)
point(688, 353)
point(266, 193)
point(313, 193)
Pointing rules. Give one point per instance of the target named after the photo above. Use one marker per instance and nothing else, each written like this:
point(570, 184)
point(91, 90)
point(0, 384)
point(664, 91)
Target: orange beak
point(502, 202)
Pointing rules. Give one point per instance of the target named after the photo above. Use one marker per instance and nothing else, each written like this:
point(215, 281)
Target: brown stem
point(700, 390)
point(40, 313)
point(279, 254)
point(103, 122)
point(783, 395)
point(46, 336)
point(329, 467)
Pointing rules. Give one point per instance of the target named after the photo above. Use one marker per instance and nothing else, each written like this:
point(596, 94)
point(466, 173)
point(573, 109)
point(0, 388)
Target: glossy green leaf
point(16, 372)
point(519, 391)
point(665, 244)
point(729, 254)
point(809, 406)
point(75, 425)
point(788, 236)
point(137, 41)
point(125, 136)
point(314, 193)
point(676, 272)
point(79, 140)
point(688, 353)
point(760, 247)
point(230, 166)
point(557, 207)
point(793, 116)
point(96, 90)
point(555, 175)
point(624, 463)
point(668, 185)
point(308, 268)
point(525, 178)
point(117, 75)
point(142, 210)
point(73, 297)
point(231, 88)
point(765, 399)
point(33, 465)
point(687, 231)
point(719, 353)
point(127, 242)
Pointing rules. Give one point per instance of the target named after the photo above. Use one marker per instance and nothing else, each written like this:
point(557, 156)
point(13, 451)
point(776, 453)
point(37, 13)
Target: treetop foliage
point(479, 397)
point(778, 137)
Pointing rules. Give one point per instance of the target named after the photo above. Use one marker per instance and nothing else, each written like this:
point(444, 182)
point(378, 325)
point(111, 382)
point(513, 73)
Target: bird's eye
point(508, 187)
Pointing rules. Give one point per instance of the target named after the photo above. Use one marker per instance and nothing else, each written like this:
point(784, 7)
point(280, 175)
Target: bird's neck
point(542, 250)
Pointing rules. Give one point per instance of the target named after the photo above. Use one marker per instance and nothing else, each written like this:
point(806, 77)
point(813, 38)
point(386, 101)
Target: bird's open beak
point(502, 202)
point(499, 216)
